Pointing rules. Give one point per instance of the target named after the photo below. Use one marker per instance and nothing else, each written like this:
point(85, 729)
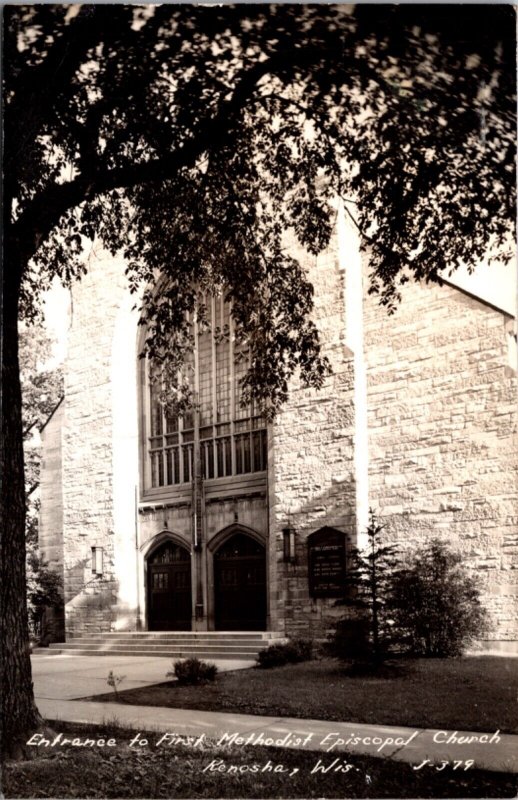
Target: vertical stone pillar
point(100, 450)
point(311, 470)
point(351, 260)
point(198, 538)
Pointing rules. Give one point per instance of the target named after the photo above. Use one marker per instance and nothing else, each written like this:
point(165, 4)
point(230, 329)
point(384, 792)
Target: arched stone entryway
point(240, 584)
point(169, 592)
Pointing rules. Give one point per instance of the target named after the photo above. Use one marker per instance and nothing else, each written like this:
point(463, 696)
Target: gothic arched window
point(228, 439)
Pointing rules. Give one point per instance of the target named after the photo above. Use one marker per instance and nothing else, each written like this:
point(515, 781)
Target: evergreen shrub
point(426, 605)
point(368, 634)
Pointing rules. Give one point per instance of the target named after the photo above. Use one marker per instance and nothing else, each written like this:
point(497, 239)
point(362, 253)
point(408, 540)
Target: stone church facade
point(219, 521)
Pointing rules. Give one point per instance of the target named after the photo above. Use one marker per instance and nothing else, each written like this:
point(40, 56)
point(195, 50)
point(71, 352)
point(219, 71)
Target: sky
point(495, 283)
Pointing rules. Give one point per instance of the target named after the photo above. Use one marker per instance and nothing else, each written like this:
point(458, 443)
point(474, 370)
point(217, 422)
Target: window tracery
point(231, 438)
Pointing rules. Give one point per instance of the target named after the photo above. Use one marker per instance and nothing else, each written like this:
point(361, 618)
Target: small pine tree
point(369, 583)
point(435, 603)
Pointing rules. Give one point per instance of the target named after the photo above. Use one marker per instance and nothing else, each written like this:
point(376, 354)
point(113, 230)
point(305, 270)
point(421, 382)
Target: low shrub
point(272, 656)
point(193, 672)
point(291, 652)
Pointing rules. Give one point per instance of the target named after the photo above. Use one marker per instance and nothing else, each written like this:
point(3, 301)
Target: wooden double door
point(240, 585)
point(169, 589)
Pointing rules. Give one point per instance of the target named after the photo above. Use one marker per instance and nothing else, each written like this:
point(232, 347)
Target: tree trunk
point(19, 713)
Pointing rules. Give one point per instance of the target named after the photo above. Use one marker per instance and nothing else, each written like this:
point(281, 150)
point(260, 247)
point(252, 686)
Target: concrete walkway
point(66, 676)
point(58, 679)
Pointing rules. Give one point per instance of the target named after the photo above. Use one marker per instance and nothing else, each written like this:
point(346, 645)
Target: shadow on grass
point(387, 670)
point(472, 693)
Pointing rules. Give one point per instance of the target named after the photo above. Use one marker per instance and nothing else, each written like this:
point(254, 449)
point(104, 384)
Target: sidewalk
point(66, 676)
point(75, 675)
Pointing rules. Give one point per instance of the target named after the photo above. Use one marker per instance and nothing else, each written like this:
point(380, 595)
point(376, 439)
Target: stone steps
point(204, 644)
point(180, 636)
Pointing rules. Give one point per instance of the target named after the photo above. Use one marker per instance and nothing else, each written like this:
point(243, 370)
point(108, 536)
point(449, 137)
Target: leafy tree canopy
point(42, 390)
point(191, 138)
point(42, 381)
point(44, 590)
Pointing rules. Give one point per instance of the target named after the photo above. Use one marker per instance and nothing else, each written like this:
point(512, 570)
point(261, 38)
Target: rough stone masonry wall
point(90, 602)
point(310, 467)
point(50, 528)
point(443, 436)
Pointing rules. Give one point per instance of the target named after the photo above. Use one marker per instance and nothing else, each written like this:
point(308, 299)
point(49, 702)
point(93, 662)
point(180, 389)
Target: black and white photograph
point(259, 401)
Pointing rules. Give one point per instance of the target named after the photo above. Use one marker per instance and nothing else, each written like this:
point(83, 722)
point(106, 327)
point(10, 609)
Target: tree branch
point(31, 490)
point(49, 416)
point(352, 217)
point(44, 212)
point(36, 88)
point(29, 429)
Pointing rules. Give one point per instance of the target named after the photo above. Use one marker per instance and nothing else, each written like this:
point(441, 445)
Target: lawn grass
point(471, 693)
point(180, 771)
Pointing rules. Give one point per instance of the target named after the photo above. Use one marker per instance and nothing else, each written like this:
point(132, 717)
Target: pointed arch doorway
point(169, 588)
point(240, 584)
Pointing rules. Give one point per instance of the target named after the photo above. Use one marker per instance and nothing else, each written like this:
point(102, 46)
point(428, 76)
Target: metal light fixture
point(288, 537)
point(97, 560)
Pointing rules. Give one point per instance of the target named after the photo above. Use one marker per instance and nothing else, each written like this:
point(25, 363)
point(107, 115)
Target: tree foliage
point(425, 605)
point(42, 390)
point(42, 379)
point(435, 603)
point(44, 590)
point(192, 138)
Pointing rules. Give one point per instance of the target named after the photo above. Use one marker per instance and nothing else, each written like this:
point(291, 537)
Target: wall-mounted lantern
point(97, 560)
point(288, 537)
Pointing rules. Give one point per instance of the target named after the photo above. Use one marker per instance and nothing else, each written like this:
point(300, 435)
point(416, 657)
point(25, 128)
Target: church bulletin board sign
point(326, 561)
